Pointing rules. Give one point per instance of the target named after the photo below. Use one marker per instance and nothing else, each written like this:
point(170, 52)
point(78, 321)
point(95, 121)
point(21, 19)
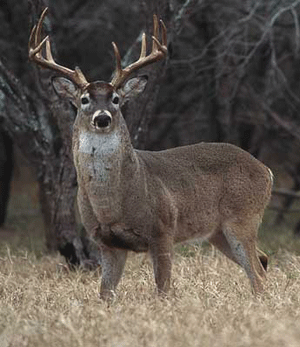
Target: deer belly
point(197, 224)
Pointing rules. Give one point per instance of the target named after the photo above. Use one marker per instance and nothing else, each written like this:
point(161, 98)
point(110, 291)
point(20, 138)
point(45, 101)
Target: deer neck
point(102, 161)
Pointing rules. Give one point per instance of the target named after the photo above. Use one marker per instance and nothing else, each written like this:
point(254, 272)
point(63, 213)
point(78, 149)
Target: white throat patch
point(99, 145)
point(99, 156)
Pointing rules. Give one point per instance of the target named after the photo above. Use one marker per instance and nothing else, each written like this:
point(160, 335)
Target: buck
point(134, 200)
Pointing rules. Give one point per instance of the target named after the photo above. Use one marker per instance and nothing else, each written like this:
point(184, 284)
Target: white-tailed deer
point(145, 201)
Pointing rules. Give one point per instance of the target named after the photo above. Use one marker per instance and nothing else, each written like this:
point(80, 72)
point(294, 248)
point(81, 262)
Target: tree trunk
point(41, 126)
point(6, 170)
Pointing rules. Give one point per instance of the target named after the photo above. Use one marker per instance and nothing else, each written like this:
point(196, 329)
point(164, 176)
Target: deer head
point(98, 103)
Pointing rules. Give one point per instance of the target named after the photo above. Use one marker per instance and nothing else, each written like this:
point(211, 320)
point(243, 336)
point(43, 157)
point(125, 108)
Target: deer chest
point(98, 165)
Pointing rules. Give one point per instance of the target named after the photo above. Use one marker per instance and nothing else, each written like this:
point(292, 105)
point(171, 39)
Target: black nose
point(102, 121)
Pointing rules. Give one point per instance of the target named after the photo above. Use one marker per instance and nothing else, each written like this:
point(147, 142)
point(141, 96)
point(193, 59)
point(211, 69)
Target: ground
point(42, 303)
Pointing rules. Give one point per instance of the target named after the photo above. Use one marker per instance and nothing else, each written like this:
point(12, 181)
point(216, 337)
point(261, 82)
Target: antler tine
point(144, 47)
point(163, 33)
point(39, 27)
point(155, 32)
point(49, 55)
point(35, 43)
point(117, 56)
point(159, 51)
point(35, 53)
point(156, 45)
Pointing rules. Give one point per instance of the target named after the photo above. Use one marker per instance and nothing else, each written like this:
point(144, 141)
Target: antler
point(35, 47)
point(159, 51)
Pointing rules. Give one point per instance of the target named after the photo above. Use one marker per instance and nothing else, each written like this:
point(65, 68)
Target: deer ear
point(133, 87)
point(66, 89)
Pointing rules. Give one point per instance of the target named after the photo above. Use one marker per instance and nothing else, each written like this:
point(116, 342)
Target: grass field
point(43, 303)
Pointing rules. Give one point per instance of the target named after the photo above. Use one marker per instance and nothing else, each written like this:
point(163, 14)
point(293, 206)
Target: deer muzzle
point(101, 119)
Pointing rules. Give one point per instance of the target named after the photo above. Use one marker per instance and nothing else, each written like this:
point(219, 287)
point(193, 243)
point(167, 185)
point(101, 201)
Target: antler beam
point(35, 49)
point(159, 51)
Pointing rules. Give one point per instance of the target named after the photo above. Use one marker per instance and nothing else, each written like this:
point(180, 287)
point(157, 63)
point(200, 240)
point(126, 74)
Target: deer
point(145, 201)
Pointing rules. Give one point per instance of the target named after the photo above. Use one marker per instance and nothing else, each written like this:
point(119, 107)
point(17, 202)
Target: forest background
point(232, 75)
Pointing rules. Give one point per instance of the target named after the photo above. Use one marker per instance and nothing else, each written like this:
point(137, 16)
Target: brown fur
point(145, 201)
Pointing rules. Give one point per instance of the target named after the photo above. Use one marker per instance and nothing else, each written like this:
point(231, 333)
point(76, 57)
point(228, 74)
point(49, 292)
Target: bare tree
point(231, 75)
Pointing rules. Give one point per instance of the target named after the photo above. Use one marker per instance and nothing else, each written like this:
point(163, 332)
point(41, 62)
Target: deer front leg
point(113, 262)
point(161, 252)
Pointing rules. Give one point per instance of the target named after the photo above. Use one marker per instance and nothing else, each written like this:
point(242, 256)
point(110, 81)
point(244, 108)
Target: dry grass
point(42, 303)
point(210, 304)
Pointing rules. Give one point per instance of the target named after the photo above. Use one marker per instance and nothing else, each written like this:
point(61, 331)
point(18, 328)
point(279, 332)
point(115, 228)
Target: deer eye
point(85, 100)
point(115, 100)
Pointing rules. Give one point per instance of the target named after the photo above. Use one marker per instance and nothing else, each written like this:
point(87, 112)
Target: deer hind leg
point(241, 238)
point(112, 263)
point(219, 241)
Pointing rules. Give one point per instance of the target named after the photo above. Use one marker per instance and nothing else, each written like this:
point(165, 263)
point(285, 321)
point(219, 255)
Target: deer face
point(98, 105)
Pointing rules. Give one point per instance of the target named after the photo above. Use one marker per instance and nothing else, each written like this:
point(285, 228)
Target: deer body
point(192, 198)
point(145, 201)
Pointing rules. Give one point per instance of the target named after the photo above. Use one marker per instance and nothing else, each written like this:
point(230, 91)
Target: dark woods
point(232, 75)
